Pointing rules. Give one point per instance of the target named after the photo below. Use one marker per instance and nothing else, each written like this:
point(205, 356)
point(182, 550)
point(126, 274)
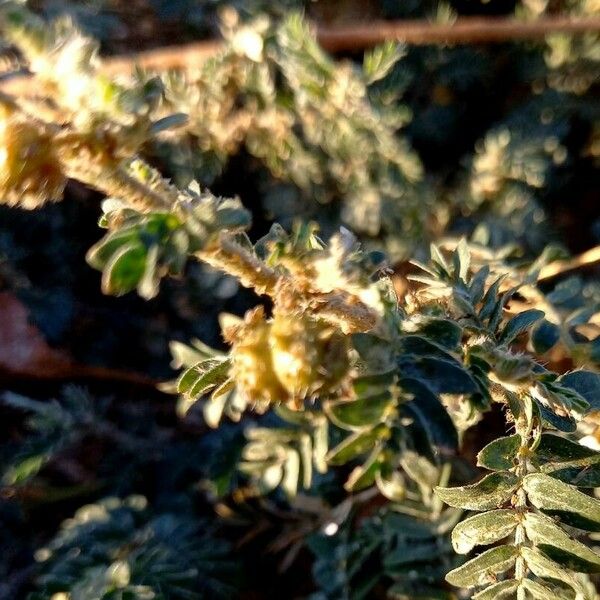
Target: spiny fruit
point(30, 172)
point(251, 364)
point(286, 359)
point(309, 357)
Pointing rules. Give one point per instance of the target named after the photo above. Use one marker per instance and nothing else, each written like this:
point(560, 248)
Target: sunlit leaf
point(483, 529)
point(503, 590)
point(542, 566)
point(500, 454)
point(482, 569)
point(558, 546)
point(362, 412)
point(356, 445)
point(561, 500)
point(492, 491)
point(568, 461)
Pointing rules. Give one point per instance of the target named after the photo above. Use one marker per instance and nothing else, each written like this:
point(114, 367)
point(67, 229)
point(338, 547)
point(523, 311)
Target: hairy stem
point(345, 311)
point(523, 428)
point(338, 308)
point(114, 181)
point(231, 258)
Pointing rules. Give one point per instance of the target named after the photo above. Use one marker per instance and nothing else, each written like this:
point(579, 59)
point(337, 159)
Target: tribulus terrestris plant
point(379, 387)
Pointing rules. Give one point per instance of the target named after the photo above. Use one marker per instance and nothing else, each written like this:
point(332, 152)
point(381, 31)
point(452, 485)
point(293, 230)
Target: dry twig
point(464, 30)
point(589, 258)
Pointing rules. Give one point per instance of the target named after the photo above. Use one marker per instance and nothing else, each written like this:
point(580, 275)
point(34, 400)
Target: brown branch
point(186, 57)
point(465, 30)
point(589, 258)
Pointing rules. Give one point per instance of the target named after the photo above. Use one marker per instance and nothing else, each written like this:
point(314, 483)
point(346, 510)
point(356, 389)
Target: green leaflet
point(568, 461)
point(492, 491)
point(188, 356)
point(218, 404)
point(364, 475)
point(461, 260)
point(480, 570)
point(419, 552)
point(378, 62)
point(520, 323)
point(419, 469)
point(430, 416)
point(391, 485)
point(24, 469)
point(291, 473)
point(483, 529)
point(356, 444)
point(503, 590)
point(360, 413)
point(138, 254)
point(490, 298)
point(555, 395)
point(500, 454)
point(204, 376)
point(564, 423)
point(445, 332)
point(542, 566)
point(586, 384)
point(562, 500)
point(544, 336)
point(558, 546)
point(271, 458)
point(541, 592)
point(430, 363)
point(477, 284)
point(579, 473)
point(99, 254)
point(168, 122)
point(374, 351)
point(124, 270)
point(149, 284)
point(556, 448)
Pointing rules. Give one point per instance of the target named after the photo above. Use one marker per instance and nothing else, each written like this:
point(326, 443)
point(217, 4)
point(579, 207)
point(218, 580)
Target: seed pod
point(30, 172)
point(309, 357)
point(251, 364)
